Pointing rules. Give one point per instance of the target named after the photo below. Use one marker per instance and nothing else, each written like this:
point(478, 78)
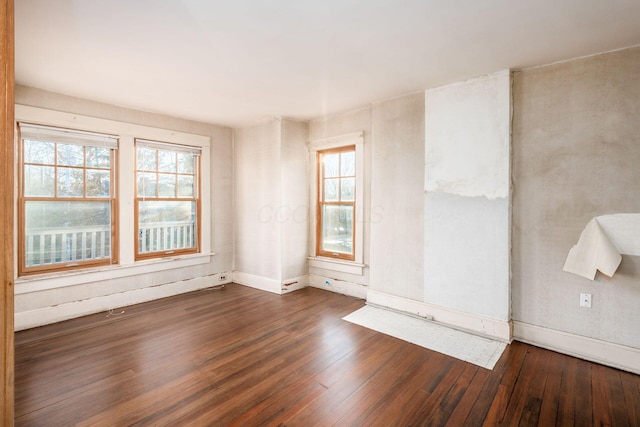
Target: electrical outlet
point(223, 277)
point(585, 300)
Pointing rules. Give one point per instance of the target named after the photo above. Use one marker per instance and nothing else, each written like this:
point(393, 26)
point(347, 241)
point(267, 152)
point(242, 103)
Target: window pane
point(39, 152)
point(63, 232)
point(166, 185)
point(348, 163)
point(39, 181)
point(185, 186)
point(98, 183)
point(70, 182)
point(167, 161)
point(98, 157)
point(164, 226)
point(347, 189)
point(331, 190)
point(331, 165)
point(147, 186)
point(185, 162)
point(70, 155)
point(337, 228)
point(146, 159)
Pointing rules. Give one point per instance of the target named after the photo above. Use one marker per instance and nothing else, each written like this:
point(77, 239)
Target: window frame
point(197, 199)
point(321, 202)
point(354, 266)
point(126, 132)
point(23, 269)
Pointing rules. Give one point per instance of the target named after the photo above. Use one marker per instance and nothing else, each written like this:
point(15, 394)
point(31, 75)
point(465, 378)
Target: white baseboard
point(605, 353)
point(271, 285)
point(257, 282)
point(70, 310)
point(339, 286)
point(492, 328)
point(295, 283)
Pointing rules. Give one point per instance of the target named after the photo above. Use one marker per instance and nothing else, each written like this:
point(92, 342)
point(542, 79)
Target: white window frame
point(126, 133)
point(356, 266)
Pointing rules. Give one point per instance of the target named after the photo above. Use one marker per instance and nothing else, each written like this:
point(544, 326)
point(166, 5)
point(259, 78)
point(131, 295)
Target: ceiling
point(236, 62)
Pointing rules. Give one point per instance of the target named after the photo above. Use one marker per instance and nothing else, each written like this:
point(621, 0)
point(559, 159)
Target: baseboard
point(70, 310)
point(257, 282)
point(605, 353)
point(339, 286)
point(492, 328)
point(295, 284)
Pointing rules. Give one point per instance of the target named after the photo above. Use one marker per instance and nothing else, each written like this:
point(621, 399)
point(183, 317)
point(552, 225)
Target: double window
point(68, 206)
point(336, 204)
point(67, 199)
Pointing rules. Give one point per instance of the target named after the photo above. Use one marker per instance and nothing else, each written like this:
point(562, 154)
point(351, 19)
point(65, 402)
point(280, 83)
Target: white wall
point(257, 198)
point(294, 210)
point(397, 182)
point(467, 205)
point(50, 298)
point(271, 205)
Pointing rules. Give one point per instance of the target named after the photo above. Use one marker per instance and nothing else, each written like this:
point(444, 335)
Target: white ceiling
point(235, 62)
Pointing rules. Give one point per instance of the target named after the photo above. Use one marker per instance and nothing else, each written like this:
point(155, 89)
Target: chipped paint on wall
point(467, 132)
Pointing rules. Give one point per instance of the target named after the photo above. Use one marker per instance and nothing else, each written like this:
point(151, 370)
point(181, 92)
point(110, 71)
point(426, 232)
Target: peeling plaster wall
point(468, 139)
point(576, 148)
point(397, 177)
point(467, 220)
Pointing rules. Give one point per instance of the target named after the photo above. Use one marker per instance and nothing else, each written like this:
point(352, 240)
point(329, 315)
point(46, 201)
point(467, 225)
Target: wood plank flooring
point(239, 356)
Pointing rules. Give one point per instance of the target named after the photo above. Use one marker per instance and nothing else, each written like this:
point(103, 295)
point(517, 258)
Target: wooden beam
point(7, 80)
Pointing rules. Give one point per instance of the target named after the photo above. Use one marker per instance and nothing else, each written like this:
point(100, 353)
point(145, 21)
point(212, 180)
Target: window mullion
point(84, 171)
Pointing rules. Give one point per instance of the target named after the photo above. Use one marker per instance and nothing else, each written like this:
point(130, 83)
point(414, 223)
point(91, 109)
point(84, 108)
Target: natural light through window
point(336, 202)
point(167, 199)
point(67, 199)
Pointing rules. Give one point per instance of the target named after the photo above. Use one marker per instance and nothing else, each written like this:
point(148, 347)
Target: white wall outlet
point(585, 300)
point(223, 276)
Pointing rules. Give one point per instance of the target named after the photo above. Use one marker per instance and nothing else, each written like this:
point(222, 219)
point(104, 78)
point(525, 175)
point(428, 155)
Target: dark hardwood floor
point(239, 356)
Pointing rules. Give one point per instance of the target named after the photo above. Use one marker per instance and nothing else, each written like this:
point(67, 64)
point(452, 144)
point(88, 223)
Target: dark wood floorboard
point(238, 356)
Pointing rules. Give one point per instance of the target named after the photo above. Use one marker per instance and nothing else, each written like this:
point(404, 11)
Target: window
point(336, 204)
point(167, 199)
point(67, 199)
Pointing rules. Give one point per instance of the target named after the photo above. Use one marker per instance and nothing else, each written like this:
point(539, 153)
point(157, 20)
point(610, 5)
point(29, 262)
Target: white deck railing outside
point(65, 245)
